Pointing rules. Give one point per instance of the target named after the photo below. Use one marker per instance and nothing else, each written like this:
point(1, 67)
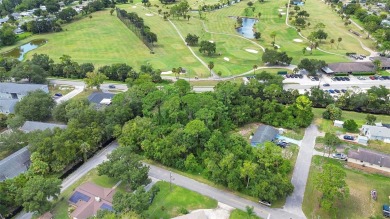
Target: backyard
point(359, 204)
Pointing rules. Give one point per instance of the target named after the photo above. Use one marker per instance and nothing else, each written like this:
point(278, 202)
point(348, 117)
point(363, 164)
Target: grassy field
point(239, 214)
point(170, 203)
point(359, 204)
point(60, 209)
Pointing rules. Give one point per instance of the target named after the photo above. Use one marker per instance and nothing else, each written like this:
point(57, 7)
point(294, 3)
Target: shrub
point(363, 73)
point(350, 125)
point(183, 210)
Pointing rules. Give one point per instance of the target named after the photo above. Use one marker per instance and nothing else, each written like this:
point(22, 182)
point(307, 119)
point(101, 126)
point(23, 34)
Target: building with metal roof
point(264, 133)
point(15, 164)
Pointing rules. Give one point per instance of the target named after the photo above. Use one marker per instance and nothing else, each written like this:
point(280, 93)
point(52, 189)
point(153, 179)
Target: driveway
point(301, 171)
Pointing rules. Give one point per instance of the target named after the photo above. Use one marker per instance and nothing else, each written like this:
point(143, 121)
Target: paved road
point(81, 171)
point(70, 95)
point(301, 171)
point(220, 195)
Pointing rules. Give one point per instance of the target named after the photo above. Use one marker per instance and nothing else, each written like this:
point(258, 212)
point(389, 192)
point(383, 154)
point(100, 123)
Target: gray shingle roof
point(21, 88)
point(15, 164)
point(30, 126)
point(8, 105)
point(385, 62)
point(370, 157)
point(264, 133)
point(97, 97)
point(351, 67)
point(381, 131)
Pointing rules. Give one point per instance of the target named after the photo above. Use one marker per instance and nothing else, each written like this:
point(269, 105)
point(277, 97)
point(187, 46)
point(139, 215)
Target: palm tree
point(174, 71)
point(332, 42)
point(304, 50)
point(249, 211)
point(378, 65)
point(273, 35)
point(296, 70)
point(84, 148)
point(254, 69)
point(338, 42)
point(211, 66)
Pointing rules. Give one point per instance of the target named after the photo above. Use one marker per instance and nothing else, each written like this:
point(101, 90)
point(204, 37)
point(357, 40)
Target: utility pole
point(170, 180)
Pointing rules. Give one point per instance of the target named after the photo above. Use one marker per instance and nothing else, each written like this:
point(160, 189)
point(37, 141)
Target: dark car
point(331, 91)
point(58, 94)
point(282, 144)
point(386, 210)
point(316, 78)
point(343, 90)
point(111, 86)
point(300, 76)
point(326, 85)
point(347, 78)
point(337, 91)
point(342, 79)
point(348, 137)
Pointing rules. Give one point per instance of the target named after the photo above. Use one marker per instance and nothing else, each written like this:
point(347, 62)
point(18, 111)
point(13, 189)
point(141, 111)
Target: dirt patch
point(248, 129)
point(367, 169)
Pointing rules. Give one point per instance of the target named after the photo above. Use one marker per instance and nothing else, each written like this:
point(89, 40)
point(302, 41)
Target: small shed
point(338, 123)
point(362, 140)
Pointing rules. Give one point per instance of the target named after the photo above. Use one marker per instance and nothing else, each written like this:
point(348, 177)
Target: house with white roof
point(376, 132)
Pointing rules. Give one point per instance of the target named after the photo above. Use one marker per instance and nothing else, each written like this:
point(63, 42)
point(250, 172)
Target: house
point(298, 2)
point(338, 123)
point(349, 67)
point(4, 20)
point(369, 158)
point(100, 98)
point(18, 91)
point(385, 62)
point(30, 126)
point(376, 132)
point(362, 140)
point(264, 133)
point(15, 164)
point(11, 93)
point(89, 198)
point(18, 30)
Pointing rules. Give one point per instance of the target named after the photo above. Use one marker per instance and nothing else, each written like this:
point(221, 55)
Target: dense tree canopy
point(36, 106)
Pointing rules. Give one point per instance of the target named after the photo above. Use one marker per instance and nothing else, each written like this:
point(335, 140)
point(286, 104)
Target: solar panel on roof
point(106, 207)
point(79, 196)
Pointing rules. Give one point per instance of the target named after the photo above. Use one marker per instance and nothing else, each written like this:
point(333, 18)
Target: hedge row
point(363, 73)
point(341, 74)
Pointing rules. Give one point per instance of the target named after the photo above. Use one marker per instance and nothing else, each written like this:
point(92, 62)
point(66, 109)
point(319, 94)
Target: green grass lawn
point(60, 209)
point(239, 214)
point(169, 203)
point(359, 204)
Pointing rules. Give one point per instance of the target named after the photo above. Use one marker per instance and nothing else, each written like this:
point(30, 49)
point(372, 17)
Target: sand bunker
point(308, 48)
point(252, 51)
point(211, 41)
point(166, 72)
point(134, 7)
point(282, 13)
point(226, 59)
point(280, 10)
point(298, 40)
point(149, 15)
point(277, 46)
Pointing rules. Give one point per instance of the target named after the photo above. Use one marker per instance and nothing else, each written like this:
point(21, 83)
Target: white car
point(340, 156)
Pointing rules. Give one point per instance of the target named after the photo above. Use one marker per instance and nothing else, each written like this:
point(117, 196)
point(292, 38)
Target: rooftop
point(21, 88)
point(385, 62)
point(30, 126)
point(98, 97)
point(370, 157)
point(351, 67)
point(8, 105)
point(15, 164)
point(264, 133)
point(381, 131)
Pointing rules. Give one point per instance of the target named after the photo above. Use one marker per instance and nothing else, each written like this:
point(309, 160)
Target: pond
point(20, 51)
point(247, 27)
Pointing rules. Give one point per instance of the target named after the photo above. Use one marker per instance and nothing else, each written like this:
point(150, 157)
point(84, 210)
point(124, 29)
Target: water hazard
point(247, 27)
point(19, 52)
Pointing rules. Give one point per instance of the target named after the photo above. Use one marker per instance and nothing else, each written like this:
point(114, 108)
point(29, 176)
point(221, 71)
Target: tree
point(124, 165)
point(32, 72)
point(42, 60)
point(94, 79)
point(331, 141)
point(192, 39)
point(273, 57)
point(332, 112)
point(138, 201)
point(36, 106)
point(84, 148)
point(112, 11)
point(311, 65)
point(338, 41)
point(331, 183)
point(7, 35)
point(248, 171)
point(332, 42)
point(67, 14)
point(210, 66)
point(207, 47)
point(254, 69)
point(273, 35)
point(378, 65)
point(37, 191)
point(257, 35)
point(370, 119)
point(350, 125)
point(249, 211)
point(250, 4)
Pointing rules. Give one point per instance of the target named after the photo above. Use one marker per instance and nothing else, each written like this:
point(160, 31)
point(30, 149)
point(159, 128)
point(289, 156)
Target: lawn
point(359, 204)
point(169, 203)
point(239, 214)
point(60, 209)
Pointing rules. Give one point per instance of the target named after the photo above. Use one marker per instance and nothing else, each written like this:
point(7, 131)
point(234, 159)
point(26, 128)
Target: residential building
point(338, 123)
point(89, 198)
point(379, 132)
point(30, 126)
point(349, 67)
point(15, 164)
point(385, 62)
point(101, 99)
point(263, 134)
point(369, 158)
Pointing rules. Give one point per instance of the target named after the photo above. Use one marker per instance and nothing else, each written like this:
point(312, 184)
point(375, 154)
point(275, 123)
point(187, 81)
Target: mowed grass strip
point(358, 205)
point(168, 202)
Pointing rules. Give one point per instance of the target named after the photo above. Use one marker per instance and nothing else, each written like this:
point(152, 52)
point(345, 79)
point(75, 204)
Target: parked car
point(386, 210)
point(372, 77)
point(343, 90)
point(340, 156)
point(348, 137)
point(347, 78)
point(326, 85)
point(267, 203)
point(111, 86)
point(282, 144)
point(331, 91)
point(337, 91)
point(58, 94)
